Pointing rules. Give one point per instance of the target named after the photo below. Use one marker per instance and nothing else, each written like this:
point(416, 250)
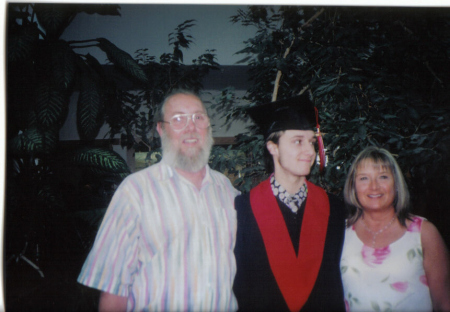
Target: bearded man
point(166, 242)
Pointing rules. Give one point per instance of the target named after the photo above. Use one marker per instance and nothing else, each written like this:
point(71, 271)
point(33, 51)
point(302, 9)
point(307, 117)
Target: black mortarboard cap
point(295, 113)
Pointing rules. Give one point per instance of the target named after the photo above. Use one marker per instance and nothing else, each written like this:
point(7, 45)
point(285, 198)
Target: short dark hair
point(384, 158)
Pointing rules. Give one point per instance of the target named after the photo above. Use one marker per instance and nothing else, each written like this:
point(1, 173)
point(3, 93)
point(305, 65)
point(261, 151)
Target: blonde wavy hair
point(387, 161)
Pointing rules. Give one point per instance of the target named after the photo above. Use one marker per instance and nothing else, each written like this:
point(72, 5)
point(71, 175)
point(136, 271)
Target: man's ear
point(159, 128)
point(272, 148)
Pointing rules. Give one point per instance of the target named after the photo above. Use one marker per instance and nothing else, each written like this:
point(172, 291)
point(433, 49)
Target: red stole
point(295, 276)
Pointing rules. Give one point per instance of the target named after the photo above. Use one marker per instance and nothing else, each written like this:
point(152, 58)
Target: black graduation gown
point(255, 286)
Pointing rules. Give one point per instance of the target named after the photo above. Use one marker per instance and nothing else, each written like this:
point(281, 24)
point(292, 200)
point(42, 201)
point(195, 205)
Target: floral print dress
point(385, 279)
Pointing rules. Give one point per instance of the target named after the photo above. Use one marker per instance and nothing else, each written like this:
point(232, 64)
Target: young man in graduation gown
point(290, 231)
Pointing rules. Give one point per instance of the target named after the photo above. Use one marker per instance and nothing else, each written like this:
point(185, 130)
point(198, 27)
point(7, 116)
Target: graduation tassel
point(320, 143)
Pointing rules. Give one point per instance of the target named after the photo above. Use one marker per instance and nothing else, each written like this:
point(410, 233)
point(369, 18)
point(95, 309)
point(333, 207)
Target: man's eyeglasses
point(179, 122)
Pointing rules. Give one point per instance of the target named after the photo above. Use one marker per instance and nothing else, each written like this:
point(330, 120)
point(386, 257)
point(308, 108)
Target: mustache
point(192, 135)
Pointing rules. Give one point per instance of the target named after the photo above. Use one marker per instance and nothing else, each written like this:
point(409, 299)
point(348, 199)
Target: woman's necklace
point(375, 234)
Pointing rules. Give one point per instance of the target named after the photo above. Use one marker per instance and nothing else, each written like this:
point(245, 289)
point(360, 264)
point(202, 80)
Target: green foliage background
point(379, 76)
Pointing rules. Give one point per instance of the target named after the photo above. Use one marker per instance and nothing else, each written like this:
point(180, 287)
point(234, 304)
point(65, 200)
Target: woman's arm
point(436, 262)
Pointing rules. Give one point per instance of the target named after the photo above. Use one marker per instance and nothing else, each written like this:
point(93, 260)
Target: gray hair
point(159, 115)
point(384, 158)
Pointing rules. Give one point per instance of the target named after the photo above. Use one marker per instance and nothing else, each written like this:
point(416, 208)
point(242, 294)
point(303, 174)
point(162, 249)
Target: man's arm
point(112, 303)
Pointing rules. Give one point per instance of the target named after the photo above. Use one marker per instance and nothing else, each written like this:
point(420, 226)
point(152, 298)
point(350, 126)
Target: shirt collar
point(294, 202)
point(167, 172)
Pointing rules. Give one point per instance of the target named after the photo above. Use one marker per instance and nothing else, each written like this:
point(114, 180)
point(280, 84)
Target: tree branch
point(279, 73)
point(427, 64)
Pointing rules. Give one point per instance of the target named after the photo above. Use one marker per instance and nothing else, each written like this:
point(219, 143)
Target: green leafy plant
point(43, 73)
point(165, 74)
point(44, 70)
point(377, 75)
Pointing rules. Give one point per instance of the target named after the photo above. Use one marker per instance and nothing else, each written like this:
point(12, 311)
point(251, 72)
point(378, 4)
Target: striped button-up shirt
point(166, 245)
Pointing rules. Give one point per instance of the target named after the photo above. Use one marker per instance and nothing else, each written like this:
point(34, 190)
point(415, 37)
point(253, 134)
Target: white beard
point(193, 160)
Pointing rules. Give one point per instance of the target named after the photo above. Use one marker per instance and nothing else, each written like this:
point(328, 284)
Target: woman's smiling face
point(375, 186)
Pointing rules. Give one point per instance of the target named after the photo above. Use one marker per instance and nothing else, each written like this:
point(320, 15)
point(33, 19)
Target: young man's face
point(294, 154)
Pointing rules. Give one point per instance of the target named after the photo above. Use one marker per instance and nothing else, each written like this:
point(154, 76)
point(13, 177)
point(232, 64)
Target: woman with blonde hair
point(392, 260)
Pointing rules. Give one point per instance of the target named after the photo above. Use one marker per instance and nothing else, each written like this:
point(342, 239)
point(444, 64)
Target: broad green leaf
point(21, 43)
point(51, 105)
point(63, 65)
point(34, 141)
point(89, 109)
point(100, 160)
point(123, 60)
point(53, 17)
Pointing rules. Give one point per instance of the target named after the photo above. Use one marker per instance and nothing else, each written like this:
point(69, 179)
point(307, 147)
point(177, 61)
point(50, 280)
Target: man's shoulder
point(218, 176)
point(242, 201)
point(221, 180)
point(215, 172)
point(335, 200)
point(337, 205)
point(242, 205)
point(156, 171)
point(243, 198)
point(261, 187)
point(316, 188)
